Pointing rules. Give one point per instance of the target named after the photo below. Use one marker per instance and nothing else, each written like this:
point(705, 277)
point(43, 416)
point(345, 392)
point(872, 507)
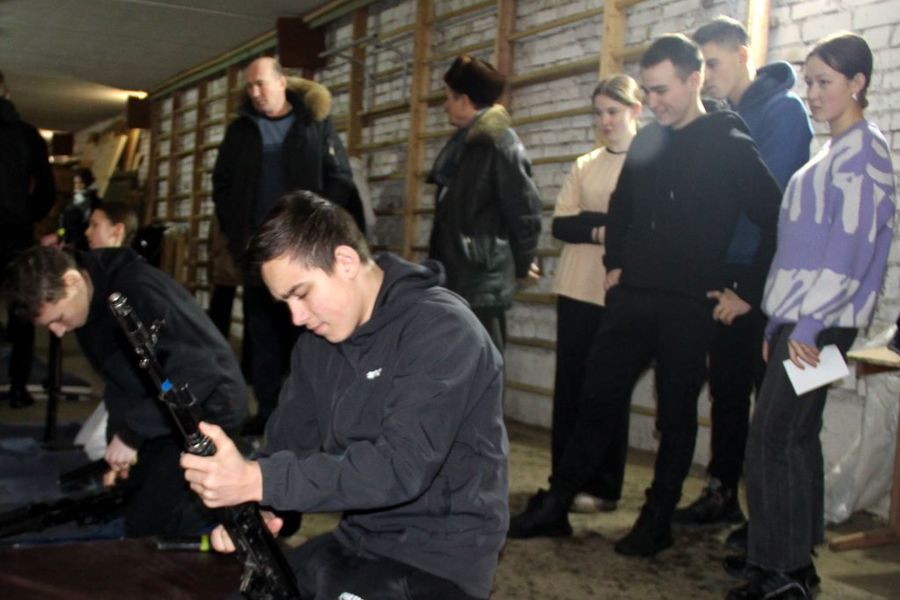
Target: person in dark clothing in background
point(686, 180)
point(391, 414)
point(781, 129)
point(75, 216)
point(282, 140)
point(27, 191)
point(73, 221)
point(66, 293)
point(487, 209)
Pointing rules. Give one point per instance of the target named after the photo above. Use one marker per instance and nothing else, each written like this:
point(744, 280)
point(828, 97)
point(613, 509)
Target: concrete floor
point(585, 565)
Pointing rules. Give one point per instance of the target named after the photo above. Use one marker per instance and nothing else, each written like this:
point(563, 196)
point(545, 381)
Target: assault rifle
point(267, 574)
point(84, 474)
point(91, 509)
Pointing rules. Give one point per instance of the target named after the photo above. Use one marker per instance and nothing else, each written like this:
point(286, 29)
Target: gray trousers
point(784, 466)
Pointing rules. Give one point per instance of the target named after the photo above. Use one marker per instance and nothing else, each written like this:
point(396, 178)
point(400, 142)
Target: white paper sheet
point(831, 368)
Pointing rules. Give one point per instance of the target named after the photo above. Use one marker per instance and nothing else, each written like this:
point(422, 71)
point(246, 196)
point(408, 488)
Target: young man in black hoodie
point(686, 179)
point(780, 126)
point(66, 293)
point(391, 414)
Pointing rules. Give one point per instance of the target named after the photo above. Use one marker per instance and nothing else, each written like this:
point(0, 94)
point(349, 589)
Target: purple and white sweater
point(834, 234)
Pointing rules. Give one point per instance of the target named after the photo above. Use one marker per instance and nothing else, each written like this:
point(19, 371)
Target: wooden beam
point(506, 20)
point(357, 82)
point(465, 11)
point(418, 107)
point(456, 51)
point(758, 28)
point(557, 23)
point(613, 40)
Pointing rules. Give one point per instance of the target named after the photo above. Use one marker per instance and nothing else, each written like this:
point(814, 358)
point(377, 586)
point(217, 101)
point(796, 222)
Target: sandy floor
point(585, 566)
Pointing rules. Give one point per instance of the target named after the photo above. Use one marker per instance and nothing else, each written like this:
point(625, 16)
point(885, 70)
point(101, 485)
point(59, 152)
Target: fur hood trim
point(492, 123)
point(315, 96)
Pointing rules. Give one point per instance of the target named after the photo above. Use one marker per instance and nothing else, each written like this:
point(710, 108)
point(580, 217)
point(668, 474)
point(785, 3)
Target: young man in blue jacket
point(781, 128)
point(391, 415)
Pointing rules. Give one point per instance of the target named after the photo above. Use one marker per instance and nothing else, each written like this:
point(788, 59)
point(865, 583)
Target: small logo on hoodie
point(373, 374)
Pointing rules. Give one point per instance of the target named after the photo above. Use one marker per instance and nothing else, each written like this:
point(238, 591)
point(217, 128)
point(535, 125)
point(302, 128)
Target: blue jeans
point(784, 465)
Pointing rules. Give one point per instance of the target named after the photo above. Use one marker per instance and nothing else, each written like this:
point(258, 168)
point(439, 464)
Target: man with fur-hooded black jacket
point(282, 140)
point(391, 415)
point(66, 293)
point(685, 182)
point(487, 209)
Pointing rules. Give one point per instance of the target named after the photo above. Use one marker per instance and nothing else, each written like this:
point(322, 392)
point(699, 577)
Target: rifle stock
point(267, 574)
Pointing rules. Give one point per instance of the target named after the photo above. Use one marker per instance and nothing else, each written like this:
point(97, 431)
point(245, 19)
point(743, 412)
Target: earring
point(855, 97)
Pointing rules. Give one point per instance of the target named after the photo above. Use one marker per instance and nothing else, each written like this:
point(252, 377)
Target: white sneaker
point(587, 504)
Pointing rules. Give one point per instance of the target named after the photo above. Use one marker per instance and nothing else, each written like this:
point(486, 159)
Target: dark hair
point(307, 228)
point(848, 54)
point(677, 48)
point(87, 178)
point(621, 88)
point(35, 277)
point(475, 78)
point(724, 31)
point(119, 212)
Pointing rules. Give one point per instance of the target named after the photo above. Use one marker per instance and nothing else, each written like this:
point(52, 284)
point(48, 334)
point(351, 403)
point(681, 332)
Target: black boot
point(19, 397)
point(547, 515)
point(651, 534)
point(716, 504)
point(737, 539)
point(736, 566)
point(773, 585)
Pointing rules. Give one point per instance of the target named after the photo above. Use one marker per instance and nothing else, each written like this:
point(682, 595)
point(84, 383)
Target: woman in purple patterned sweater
point(834, 233)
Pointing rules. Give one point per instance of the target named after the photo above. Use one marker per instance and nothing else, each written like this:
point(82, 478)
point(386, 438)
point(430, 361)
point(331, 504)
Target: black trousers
point(638, 327)
point(325, 570)
point(269, 336)
point(159, 501)
point(220, 304)
point(494, 320)
point(735, 369)
point(20, 331)
point(576, 324)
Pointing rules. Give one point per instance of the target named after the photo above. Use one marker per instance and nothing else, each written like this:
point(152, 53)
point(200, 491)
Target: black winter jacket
point(314, 155)
point(27, 189)
point(674, 210)
point(190, 349)
point(488, 211)
point(401, 428)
